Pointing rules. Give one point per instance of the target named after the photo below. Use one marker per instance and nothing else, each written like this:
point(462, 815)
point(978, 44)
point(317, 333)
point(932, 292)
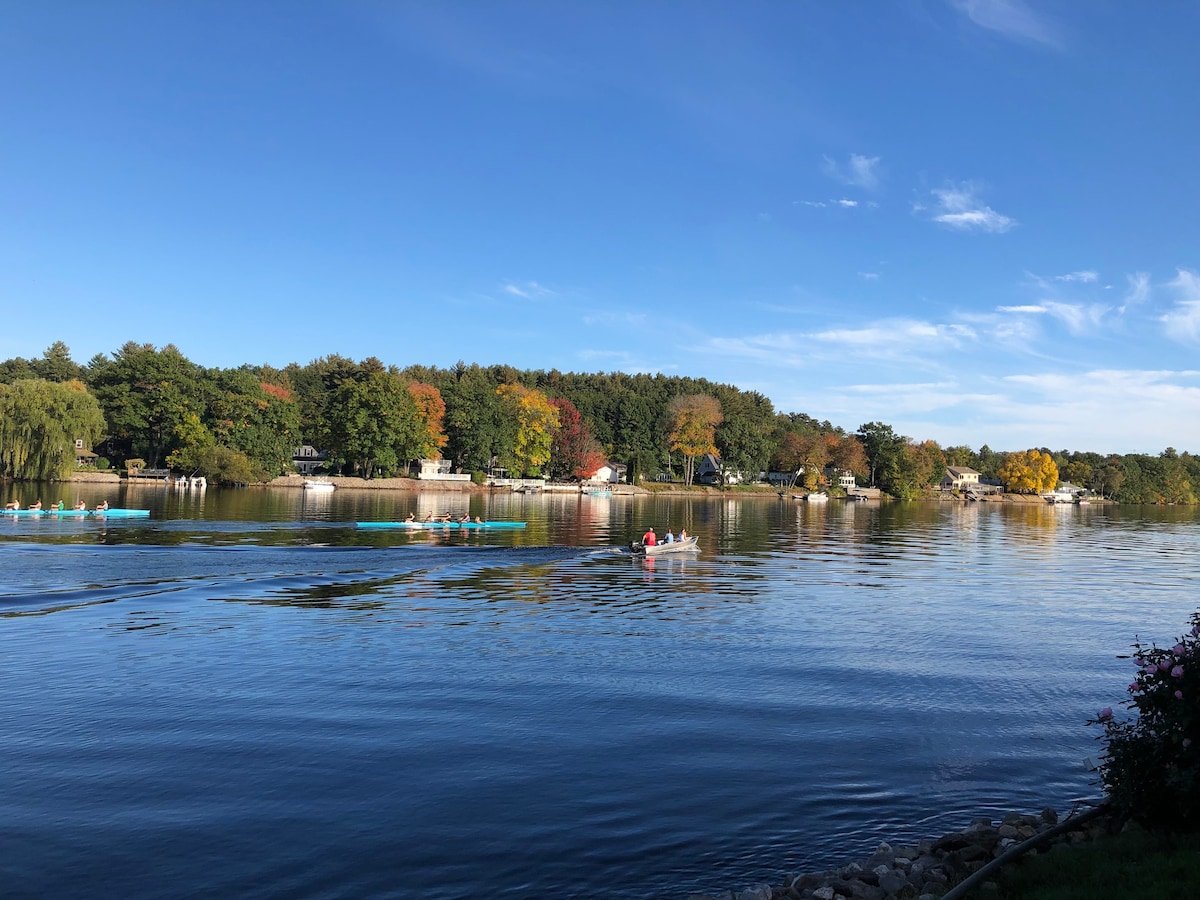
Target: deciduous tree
point(692, 422)
point(536, 421)
point(145, 394)
point(39, 423)
point(431, 411)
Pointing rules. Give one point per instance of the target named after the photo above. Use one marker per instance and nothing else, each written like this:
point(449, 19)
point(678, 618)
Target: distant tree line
point(240, 425)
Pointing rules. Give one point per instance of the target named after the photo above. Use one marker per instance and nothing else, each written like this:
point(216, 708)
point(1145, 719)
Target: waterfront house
point(84, 458)
point(307, 459)
point(609, 473)
point(1064, 493)
point(959, 478)
point(439, 470)
point(710, 471)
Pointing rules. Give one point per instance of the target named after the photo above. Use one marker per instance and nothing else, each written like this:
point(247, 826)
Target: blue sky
point(975, 220)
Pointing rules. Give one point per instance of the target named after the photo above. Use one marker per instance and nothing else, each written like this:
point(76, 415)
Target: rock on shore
point(925, 870)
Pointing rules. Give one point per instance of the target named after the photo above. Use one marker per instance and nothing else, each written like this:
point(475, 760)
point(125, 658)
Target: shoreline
point(415, 485)
point(931, 867)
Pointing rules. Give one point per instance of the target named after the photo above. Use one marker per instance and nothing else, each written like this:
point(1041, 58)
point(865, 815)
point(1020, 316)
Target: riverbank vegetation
point(1151, 775)
point(372, 419)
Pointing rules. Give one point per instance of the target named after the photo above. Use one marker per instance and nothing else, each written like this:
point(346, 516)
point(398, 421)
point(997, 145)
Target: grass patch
point(1131, 864)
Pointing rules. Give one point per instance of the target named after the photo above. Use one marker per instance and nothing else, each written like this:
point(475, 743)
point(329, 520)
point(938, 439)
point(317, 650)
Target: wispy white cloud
point(958, 208)
point(1061, 410)
point(869, 276)
point(1010, 18)
point(615, 318)
point(1085, 276)
point(529, 290)
point(1080, 318)
point(1183, 322)
point(1138, 292)
point(860, 171)
point(843, 202)
point(1157, 409)
point(907, 341)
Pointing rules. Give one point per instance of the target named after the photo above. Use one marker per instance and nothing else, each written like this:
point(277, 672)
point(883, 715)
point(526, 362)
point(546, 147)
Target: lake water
point(246, 696)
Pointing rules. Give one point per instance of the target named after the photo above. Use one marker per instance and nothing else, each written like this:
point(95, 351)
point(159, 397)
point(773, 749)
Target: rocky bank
point(930, 868)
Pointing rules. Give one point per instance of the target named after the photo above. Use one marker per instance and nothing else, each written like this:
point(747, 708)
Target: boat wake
point(57, 578)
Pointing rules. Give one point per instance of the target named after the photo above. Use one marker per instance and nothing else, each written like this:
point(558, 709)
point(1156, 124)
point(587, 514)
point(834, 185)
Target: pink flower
point(1164, 666)
point(1179, 695)
point(1177, 672)
point(1105, 714)
point(1179, 650)
point(1133, 687)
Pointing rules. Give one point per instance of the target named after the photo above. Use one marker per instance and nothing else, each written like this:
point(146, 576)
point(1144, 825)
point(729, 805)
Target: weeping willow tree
point(40, 421)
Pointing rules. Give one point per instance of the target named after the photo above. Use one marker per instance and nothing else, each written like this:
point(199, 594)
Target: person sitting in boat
point(668, 538)
point(409, 518)
point(60, 506)
point(429, 517)
point(466, 517)
point(683, 534)
point(81, 505)
point(649, 539)
point(37, 504)
point(102, 506)
point(13, 504)
point(444, 517)
point(478, 521)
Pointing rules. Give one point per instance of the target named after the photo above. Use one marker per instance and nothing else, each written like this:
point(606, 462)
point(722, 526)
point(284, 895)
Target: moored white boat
point(816, 497)
point(315, 485)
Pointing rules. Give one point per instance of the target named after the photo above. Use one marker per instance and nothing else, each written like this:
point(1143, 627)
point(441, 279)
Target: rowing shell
point(78, 513)
point(439, 524)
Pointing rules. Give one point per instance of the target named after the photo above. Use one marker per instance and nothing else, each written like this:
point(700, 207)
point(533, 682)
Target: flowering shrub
point(1151, 768)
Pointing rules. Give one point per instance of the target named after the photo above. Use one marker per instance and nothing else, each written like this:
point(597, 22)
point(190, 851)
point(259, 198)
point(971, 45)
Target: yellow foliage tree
point(692, 422)
point(536, 420)
point(1028, 472)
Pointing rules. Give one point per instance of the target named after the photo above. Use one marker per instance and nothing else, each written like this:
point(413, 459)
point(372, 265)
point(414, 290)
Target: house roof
point(959, 471)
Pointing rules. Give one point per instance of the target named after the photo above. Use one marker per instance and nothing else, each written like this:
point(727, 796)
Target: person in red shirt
point(649, 539)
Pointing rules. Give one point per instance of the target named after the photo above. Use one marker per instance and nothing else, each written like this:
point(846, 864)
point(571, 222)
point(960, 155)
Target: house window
point(78, 443)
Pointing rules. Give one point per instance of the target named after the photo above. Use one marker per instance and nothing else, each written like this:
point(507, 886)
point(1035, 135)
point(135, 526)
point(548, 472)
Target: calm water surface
point(245, 695)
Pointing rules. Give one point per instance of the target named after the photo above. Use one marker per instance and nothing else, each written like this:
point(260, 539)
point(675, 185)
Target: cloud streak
point(959, 208)
point(1183, 322)
point(530, 290)
point(1009, 18)
point(859, 171)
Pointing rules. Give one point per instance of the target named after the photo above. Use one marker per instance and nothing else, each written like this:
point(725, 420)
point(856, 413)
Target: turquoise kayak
point(113, 513)
point(439, 524)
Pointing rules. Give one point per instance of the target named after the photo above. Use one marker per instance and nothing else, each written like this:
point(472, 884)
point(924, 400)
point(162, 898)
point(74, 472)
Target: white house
point(307, 459)
point(609, 473)
point(959, 478)
point(439, 470)
point(1065, 493)
point(710, 471)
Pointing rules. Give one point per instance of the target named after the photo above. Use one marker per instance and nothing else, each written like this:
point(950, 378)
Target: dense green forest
point(155, 407)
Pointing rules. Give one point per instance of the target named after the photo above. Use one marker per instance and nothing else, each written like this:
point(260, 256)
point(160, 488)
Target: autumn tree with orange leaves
point(431, 410)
